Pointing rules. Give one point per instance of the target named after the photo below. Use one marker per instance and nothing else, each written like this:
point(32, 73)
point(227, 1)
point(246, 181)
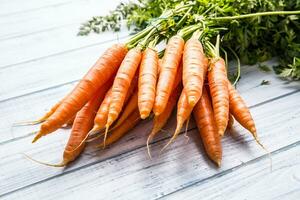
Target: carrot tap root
point(149, 139)
point(62, 164)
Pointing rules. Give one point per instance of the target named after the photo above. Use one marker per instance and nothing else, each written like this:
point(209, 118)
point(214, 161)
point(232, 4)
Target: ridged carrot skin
point(240, 111)
point(122, 82)
point(218, 86)
point(83, 123)
point(195, 66)
point(168, 71)
point(98, 75)
point(126, 126)
point(147, 82)
point(102, 114)
point(204, 117)
point(131, 106)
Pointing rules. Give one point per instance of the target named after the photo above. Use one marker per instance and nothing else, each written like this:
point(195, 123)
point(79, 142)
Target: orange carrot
point(217, 80)
point(204, 117)
point(101, 117)
point(168, 71)
point(131, 106)
point(147, 82)
point(71, 121)
point(121, 84)
point(184, 110)
point(194, 70)
point(240, 111)
point(98, 75)
point(160, 120)
point(126, 126)
point(159, 64)
point(81, 126)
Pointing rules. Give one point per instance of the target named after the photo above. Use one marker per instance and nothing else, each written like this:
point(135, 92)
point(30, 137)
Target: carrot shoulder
point(204, 117)
point(168, 71)
point(98, 75)
point(218, 86)
point(83, 123)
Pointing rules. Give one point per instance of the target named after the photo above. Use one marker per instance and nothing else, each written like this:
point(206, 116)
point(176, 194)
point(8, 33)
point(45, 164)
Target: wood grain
point(41, 60)
point(49, 16)
point(253, 180)
point(134, 174)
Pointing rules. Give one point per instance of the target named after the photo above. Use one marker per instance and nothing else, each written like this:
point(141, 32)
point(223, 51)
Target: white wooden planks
point(135, 175)
point(63, 14)
point(31, 47)
point(253, 180)
point(42, 61)
point(32, 106)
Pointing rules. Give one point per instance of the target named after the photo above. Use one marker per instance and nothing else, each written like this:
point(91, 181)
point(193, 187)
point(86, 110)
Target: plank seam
point(215, 176)
point(60, 53)
point(161, 140)
point(7, 37)
point(34, 9)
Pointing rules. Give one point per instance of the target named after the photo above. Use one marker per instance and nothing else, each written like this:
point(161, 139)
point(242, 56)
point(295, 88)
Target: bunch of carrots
point(130, 83)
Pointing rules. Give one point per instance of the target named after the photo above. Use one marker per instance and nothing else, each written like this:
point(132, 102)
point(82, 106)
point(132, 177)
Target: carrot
point(204, 117)
point(168, 71)
point(101, 117)
point(98, 75)
point(82, 124)
point(121, 84)
point(194, 69)
point(160, 120)
point(184, 110)
point(147, 82)
point(71, 121)
point(217, 81)
point(119, 132)
point(159, 64)
point(130, 107)
point(240, 112)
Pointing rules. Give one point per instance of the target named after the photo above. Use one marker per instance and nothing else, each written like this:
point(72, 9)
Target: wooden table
point(40, 61)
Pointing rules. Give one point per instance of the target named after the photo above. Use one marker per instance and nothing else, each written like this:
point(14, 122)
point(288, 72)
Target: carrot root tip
point(62, 164)
point(192, 101)
point(38, 136)
point(149, 139)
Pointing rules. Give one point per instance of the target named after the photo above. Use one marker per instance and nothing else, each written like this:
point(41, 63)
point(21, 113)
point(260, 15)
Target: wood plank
point(32, 106)
point(253, 180)
point(49, 72)
point(133, 173)
point(47, 18)
point(11, 7)
point(18, 51)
